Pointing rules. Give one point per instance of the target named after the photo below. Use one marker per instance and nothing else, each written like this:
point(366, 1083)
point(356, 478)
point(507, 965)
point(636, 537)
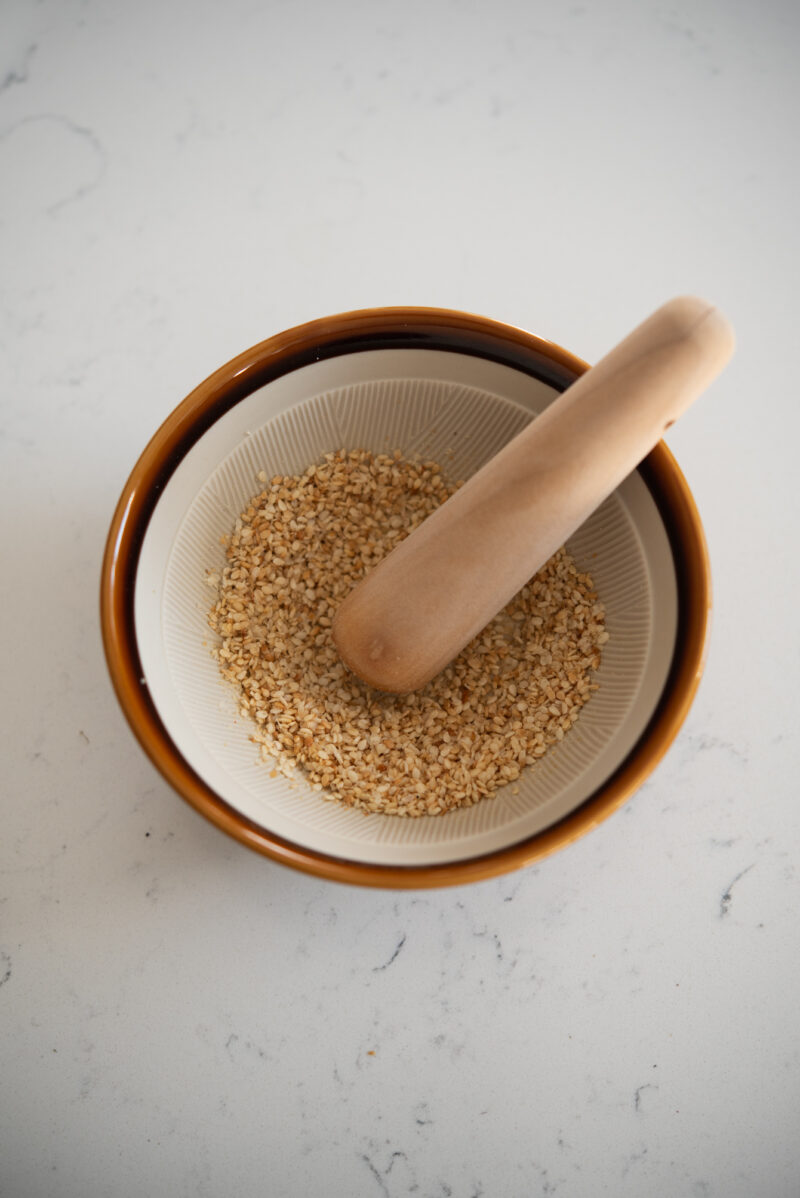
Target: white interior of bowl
point(459, 410)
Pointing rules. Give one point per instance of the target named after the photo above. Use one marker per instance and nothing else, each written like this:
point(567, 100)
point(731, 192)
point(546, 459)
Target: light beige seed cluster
point(296, 552)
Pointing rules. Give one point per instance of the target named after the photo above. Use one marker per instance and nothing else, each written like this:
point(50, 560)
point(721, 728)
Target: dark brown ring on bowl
point(369, 329)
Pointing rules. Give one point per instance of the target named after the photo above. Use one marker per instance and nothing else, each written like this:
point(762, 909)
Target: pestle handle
point(440, 586)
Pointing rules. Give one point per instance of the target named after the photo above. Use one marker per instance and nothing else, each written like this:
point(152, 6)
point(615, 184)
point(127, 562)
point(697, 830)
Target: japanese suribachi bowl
point(449, 386)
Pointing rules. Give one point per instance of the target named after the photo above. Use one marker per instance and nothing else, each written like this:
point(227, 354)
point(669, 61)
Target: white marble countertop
point(179, 1016)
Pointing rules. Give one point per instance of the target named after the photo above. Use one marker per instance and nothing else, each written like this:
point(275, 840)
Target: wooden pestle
point(440, 586)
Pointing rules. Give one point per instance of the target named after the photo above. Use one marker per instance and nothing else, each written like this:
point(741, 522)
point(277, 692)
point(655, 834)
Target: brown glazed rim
point(382, 328)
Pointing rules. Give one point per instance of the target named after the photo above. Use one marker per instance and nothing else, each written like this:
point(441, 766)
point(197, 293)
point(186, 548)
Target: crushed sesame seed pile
point(295, 553)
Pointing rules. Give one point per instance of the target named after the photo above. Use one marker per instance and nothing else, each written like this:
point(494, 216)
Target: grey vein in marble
point(727, 895)
point(393, 958)
point(69, 156)
point(19, 74)
point(639, 1091)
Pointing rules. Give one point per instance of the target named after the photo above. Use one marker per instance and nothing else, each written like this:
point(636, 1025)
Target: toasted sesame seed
point(514, 692)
